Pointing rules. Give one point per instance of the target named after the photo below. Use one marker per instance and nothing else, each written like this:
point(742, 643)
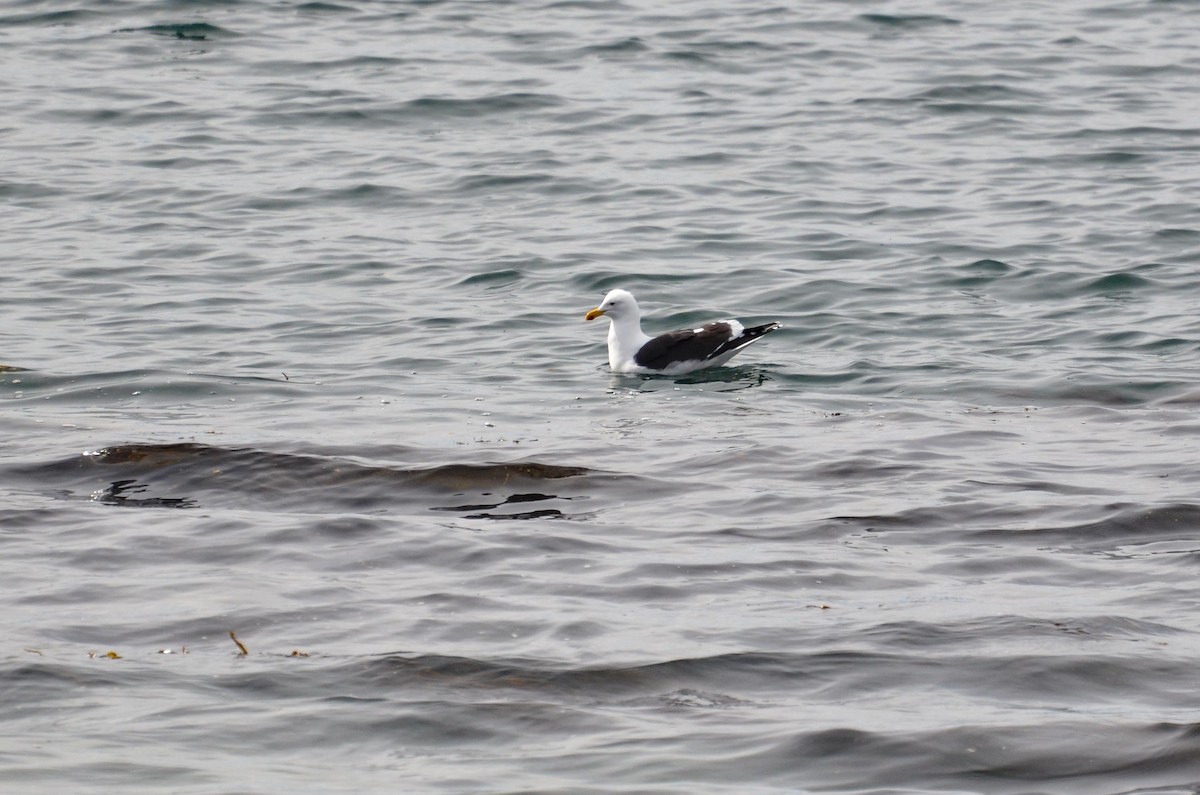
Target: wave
point(190, 475)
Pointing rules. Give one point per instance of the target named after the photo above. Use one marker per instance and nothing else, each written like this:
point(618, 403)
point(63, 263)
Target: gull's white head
point(616, 305)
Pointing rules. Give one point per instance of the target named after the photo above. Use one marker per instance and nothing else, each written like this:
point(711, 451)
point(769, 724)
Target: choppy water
point(298, 294)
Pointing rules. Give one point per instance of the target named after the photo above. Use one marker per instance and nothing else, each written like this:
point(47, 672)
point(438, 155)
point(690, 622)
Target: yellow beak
point(595, 313)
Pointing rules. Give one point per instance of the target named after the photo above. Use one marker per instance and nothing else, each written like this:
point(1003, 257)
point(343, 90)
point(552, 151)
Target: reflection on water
point(736, 378)
point(122, 492)
point(544, 513)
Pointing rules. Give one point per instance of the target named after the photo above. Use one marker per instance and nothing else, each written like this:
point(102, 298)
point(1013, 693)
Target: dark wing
point(695, 345)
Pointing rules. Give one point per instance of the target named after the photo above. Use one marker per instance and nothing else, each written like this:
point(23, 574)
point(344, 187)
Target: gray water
point(296, 291)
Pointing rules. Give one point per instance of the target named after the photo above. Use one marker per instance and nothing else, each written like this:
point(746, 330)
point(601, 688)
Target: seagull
point(675, 353)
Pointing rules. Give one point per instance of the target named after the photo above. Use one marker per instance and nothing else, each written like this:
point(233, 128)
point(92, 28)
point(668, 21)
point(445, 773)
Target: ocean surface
point(294, 348)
